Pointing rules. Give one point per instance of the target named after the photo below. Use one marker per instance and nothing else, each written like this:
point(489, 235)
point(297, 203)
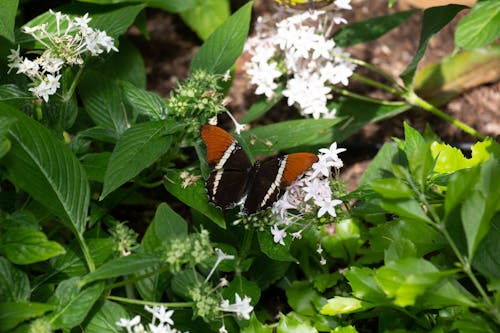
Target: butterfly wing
point(230, 167)
point(271, 178)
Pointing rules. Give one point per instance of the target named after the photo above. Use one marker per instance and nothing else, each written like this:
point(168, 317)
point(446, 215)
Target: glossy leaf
point(274, 250)
point(166, 226)
point(14, 313)
point(184, 281)
point(193, 195)
point(121, 266)
point(242, 287)
point(25, 245)
point(102, 99)
point(347, 241)
point(293, 324)
point(392, 188)
point(302, 297)
point(364, 286)
point(7, 19)
point(255, 326)
point(71, 304)
point(406, 208)
point(95, 165)
point(379, 166)
point(105, 318)
point(345, 329)
point(370, 29)
point(139, 147)
point(206, 16)
point(46, 169)
point(225, 45)
point(480, 27)
point(435, 18)
point(144, 102)
point(14, 283)
point(417, 151)
point(486, 259)
point(341, 305)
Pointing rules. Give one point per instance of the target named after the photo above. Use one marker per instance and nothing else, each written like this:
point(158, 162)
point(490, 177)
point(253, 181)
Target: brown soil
point(172, 45)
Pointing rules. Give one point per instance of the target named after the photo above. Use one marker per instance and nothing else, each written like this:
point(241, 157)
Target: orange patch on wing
point(297, 164)
point(217, 141)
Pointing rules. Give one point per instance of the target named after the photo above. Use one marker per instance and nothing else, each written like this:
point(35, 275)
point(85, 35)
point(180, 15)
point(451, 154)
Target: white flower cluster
point(159, 313)
point(310, 193)
point(300, 48)
point(67, 45)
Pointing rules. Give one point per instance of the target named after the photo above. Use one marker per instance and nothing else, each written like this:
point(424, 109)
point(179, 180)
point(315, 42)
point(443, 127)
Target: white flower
point(319, 249)
point(161, 313)
point(223, 329)
point(128, 323)
point(331, 155)
point(322, 261)
point(328, 206)
point(343, 4)
point(278, 234)
point(82, 22)
point(29, 68)
point(241, 307)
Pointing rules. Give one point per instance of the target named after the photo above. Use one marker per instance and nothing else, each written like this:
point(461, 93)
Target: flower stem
point(67, 95)
point(86, 252)
point(376, 84)
point(415, 100)
point(140, 302)
point(136, 278)
point(367, 99)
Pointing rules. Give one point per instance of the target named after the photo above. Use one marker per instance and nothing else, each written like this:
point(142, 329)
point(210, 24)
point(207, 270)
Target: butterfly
point(233, 179)
point(305, 4)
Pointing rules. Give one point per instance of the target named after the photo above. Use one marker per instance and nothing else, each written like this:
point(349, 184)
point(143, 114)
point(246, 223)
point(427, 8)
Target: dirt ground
point(172, 45)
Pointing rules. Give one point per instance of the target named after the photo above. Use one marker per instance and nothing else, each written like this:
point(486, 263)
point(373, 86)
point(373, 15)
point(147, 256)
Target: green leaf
point(481, 205)
point(206, 16)
point(341, 305)
point(269, 139)
point(25, 245)
point(95, 165)
point(102, 99)
point(14, 313)
point(265, 271)
point(14, 283)
point(293, 324)
point(480, 27)
point(370, 29)
point(364, 286)
point(435, 18)
point(138, 147)
point(153, 287)
point(345, 329)
point(224, 46)
point(105, 318)
point(406, 208)
point(418, 153)
point(73, 262)
point(347, 241)
point(46, 169)
point(184, 281)
point(242, 287)
point(121, 266)
point(255, 326)
point(71, 304)
point(459, 187)
point(173, 6)
point(486, 259)
point(302, 298)
point(261, 106)
point(380, 165)
point(7, 19)
point(193, 195)
point(144, 102)
point(392, 188)
point(274, 250)
point(166, 226)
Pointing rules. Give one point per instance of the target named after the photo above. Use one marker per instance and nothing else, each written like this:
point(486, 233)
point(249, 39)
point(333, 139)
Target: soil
point(172, 45)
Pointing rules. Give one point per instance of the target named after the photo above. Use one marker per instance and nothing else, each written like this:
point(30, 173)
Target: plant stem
point(86, 252)
point(139, 302)
point(367, 99)
point(376, 84)
point(67, 95)
point(415, 100)
point(136, 278)
point(247, 242)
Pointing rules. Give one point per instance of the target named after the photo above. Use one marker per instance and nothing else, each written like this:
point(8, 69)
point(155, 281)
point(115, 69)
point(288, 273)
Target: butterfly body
point(233, 179)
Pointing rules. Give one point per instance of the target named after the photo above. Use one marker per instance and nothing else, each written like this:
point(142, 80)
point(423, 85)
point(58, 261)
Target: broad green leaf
point(72, 304)
point(166, 226)
point(293, 324)
point(193, 195)
point(105, 318)
point(480, 205)
point(255, 326)
point(265, 271)
point(347, 241)
point(152, 288)
point(341, 305)
point(380, 165)
point(100, 134)
point(15, 96)
point(46, 169)
point(399, 249)
point(14, 283)
point(302, 298)
point(325, 281)
point(269, 139)
point(95, 165)
point(382, 236)
point(7, 19)
point(111, 19)
point(261, 106)
point(138, 147)
point(242, 287)
point(370, 29)
point(102, 99)
point(473, 323)
point(486, 259)
point(224, 46)
point(25, 245)
point(73, 262)
point(184, 281)
point(418, 153)
point(446, 294)
point(144, 102)
point(14, 313)
point(274, 250)
point(480, 27)
point(364, 286)
point(345, 329)
point(406, 208)
point(173, 6)
point(206, 16)
point(392, 188)
point(435, 18)
point(121, 266)
point(459, 187)
point(5, 123)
